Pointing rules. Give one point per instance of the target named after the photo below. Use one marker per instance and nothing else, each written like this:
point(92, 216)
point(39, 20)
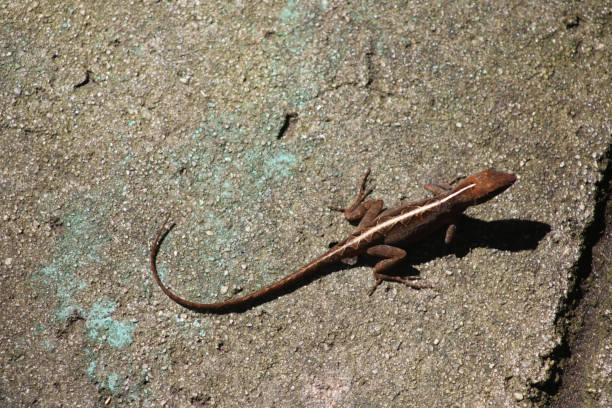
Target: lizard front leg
point(441, 188)
point(393, 256)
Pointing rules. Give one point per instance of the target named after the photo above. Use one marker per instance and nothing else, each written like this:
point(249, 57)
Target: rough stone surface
point(246, 120)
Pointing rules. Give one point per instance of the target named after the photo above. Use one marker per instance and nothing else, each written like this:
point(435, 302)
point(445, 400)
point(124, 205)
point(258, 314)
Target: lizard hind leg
point(355, 211)
point(363, 211)
point(393, 256)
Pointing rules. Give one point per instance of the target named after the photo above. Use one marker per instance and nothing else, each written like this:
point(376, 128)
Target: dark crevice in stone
point(570, 319)
point(290, 119)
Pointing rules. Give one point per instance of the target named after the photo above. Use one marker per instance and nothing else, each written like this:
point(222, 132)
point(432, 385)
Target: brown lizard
point(377, 232)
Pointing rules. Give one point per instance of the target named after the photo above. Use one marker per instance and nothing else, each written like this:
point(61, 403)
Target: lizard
point(377, 233)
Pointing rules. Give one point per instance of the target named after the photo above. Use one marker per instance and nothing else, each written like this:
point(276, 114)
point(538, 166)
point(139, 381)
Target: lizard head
point(487, 184)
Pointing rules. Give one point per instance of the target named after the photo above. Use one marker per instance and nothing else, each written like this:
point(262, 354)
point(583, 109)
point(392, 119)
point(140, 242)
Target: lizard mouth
point(500, 182)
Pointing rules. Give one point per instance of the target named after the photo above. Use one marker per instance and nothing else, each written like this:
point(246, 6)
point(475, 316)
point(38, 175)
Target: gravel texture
point(246, 120)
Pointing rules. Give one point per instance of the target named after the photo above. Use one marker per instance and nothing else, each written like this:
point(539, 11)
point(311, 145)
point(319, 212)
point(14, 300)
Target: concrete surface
point(246, 120)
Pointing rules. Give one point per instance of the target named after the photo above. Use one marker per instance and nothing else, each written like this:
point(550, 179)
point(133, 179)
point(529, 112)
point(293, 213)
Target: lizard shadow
point(505, 235)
